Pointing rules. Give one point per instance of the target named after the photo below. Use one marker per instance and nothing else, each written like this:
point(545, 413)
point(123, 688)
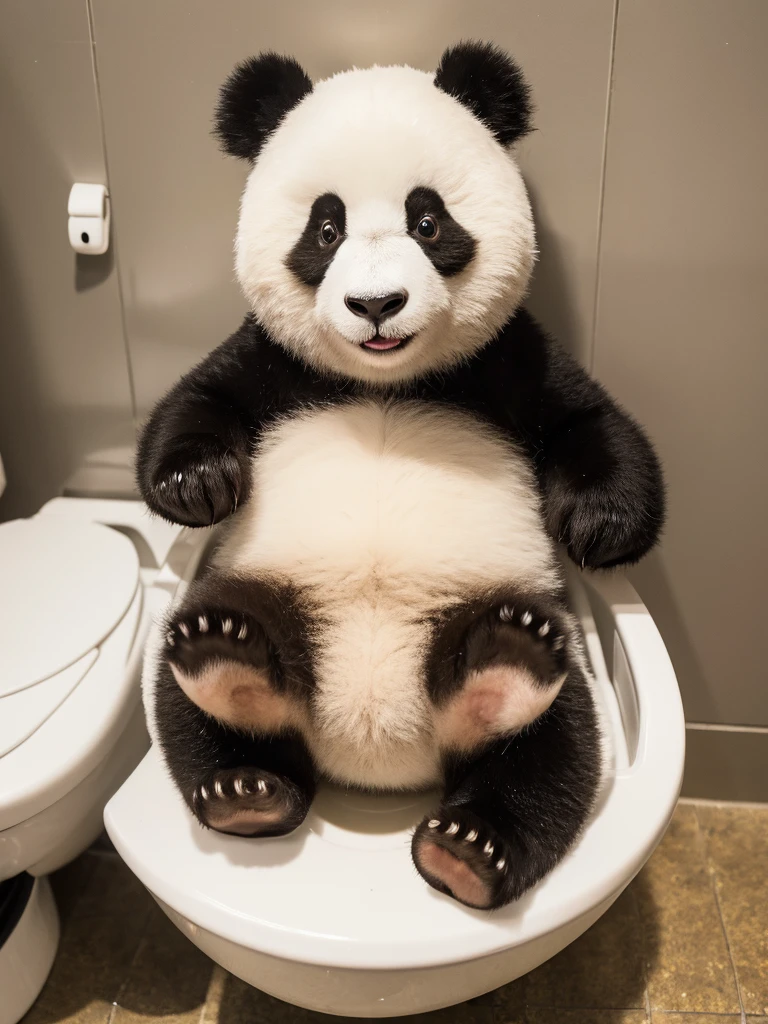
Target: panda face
point(384, 232)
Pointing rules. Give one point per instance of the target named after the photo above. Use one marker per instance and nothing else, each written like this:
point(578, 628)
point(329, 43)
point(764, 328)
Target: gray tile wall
point(64, 384)
point(681, 328)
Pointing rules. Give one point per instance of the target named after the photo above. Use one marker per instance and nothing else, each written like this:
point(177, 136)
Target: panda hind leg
point(512, 810)
point(232, 781)
point(230, 716)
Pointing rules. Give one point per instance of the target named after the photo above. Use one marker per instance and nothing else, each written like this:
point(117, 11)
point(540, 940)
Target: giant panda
point(399, 448)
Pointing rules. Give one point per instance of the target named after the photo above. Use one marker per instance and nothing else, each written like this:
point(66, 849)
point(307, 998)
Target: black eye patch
point(453, 247)
point(310, 258)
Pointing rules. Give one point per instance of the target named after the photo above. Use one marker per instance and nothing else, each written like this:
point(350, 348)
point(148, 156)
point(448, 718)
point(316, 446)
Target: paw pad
point(249, 802)
point(461, 856)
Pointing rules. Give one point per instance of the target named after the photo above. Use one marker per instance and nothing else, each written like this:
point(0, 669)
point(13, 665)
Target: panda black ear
point(490, 84)
point(254, 100)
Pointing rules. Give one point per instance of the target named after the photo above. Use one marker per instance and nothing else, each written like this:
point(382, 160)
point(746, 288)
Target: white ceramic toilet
point(335, 918)
point(79, 585)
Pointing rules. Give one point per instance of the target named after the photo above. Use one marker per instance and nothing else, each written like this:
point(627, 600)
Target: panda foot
point(204, 635)
point(458, 854)
point(510, 666)
point(517, 635)
point(249, 802)
point(225, 664)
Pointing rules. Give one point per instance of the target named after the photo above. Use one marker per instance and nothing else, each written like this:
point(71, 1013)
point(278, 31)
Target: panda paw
point(249, 802)
point(199, 485)
point(517, 634)
point(458, 854)
point(204, 635)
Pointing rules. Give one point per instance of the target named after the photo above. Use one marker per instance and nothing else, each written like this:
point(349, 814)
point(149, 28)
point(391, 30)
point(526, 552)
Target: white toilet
point(79, 585)
point(335, 918)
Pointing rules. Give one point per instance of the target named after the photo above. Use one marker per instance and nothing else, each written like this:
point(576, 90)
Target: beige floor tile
point(93, 961)
point(509, 1001)
point(602, 969)
point(737, 848)
point(689, 967)
point(111, 888)
point(695, 1018)
point(168, 978)
point(542, 1016)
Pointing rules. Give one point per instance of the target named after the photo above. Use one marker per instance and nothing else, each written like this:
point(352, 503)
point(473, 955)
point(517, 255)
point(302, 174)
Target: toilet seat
point(70, 604)
point(341, 892)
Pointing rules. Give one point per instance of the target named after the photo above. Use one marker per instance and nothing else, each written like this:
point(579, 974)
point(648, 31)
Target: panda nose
point(378, 309)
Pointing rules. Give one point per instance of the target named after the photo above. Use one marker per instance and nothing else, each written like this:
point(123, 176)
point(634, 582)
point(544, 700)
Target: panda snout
point(377, 309)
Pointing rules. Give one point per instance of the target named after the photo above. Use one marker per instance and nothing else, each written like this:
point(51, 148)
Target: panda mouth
point(379, 344)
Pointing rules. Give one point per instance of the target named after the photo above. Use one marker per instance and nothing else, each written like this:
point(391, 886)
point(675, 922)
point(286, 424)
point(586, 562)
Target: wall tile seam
point(113, 240)
point(601, 187)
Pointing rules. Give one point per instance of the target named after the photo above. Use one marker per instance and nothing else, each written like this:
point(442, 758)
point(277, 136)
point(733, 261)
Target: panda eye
point(428, 228)
point(328, 232)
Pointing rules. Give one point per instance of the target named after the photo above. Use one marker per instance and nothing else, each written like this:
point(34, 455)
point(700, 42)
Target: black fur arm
point(193, 454)
point(601, 478)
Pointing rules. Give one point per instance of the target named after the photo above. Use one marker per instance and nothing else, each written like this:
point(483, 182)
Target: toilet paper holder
point(89, 215)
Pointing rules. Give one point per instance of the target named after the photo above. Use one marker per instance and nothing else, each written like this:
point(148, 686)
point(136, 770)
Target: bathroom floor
point(687, 943)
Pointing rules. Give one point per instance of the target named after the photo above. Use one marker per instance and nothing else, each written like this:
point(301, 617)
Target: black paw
point(249, 802)
point(460, 855)
point(518, 634)
point(199, 485)
point(202, 635)
point(600, 534)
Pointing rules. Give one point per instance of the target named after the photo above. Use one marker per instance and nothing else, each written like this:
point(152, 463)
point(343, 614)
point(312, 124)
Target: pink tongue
point(382, 343)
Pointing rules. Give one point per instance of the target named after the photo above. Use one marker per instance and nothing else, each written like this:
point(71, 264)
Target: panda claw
point(433, 823)
point(452, 829)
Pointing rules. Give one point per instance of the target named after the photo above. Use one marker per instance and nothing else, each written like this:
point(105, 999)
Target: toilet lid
point(64, 585)
point(23, 712)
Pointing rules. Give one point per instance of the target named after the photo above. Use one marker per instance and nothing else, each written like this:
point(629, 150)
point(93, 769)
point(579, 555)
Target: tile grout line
point(601, 186)
point(113, 240)
point(641, 930)
point(218, 975)
point(712, 872)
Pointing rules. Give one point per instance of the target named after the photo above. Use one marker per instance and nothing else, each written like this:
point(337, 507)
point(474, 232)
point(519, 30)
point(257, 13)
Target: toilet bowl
point(79, 585)
point(335, 918)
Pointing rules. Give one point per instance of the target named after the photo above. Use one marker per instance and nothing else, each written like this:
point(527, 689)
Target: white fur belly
point(386, 513)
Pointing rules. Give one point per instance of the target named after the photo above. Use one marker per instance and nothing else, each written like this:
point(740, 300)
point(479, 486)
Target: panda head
point(384, 230)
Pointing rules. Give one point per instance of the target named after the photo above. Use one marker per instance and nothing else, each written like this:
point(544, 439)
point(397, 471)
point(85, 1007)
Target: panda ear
point(491, 85)
point(254, 100)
